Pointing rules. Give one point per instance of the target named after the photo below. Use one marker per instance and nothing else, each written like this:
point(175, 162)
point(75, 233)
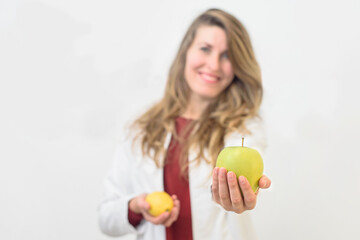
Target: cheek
point(228, 70)
point(193, 61)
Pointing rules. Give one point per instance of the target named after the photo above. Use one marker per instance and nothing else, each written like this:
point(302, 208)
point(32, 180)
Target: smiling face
point(208, 70)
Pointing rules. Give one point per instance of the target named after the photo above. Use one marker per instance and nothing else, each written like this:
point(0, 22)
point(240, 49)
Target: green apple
point(243, 161)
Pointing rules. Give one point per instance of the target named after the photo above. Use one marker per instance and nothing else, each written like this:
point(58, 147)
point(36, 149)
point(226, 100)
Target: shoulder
point(255, 137)
point(127, 146)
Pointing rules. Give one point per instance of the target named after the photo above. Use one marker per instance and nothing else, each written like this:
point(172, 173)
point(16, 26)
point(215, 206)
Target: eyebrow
point(209, 45)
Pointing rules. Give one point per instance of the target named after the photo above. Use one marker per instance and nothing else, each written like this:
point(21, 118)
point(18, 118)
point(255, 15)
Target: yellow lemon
point(159, 202)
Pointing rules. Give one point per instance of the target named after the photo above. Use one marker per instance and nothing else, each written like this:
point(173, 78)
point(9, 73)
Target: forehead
point(212, 35)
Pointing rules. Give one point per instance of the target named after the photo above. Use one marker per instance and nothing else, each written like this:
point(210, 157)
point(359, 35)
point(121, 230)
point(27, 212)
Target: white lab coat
point(132, 174)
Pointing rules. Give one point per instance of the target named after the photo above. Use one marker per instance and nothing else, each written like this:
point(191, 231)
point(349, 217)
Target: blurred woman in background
point(211, 101)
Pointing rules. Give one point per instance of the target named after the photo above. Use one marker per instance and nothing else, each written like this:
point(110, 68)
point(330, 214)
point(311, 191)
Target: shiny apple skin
point(243, 161)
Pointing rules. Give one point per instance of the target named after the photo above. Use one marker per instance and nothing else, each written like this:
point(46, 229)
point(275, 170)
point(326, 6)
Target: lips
point(209, 77)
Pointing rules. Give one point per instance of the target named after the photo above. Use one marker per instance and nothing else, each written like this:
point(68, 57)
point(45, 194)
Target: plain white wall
point(73, 72)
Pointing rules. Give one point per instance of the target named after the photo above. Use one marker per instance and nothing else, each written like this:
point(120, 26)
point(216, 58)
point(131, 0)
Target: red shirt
point(174, 183)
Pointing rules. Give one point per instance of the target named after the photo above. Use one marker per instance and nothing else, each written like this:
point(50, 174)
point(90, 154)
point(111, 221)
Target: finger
point(134, 203)
point(142, 204)
point(169, 221)
point(174, 213)
point(215, 185)
point(174, 197)
point(264, 182)
point(176, 209)
point(156, 220)
point(224, 189)
point(235, 195)
point(249, 195)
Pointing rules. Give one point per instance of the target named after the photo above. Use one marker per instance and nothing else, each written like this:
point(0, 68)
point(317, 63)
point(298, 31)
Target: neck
point(195, 108)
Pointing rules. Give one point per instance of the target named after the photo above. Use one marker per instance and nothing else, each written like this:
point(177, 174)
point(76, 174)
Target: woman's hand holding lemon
point(164, 216)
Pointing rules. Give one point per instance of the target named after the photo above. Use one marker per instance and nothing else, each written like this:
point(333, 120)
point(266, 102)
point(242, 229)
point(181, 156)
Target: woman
point(211, 100)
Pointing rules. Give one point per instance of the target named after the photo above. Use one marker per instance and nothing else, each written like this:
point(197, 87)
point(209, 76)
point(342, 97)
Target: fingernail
point(230, 175)
point(242, 179)
point(265, 183)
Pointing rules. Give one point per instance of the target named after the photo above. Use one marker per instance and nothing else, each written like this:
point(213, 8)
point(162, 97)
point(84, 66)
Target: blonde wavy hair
point(239, 101)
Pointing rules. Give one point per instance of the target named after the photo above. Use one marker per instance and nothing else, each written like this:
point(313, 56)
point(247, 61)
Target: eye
point(205, 49)
point(225, 55)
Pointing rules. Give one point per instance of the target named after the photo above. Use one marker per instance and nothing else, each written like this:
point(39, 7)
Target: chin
point(209, 96)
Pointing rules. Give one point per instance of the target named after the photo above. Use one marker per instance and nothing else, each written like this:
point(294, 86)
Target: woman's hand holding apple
point(226, 190)
point(140, 205)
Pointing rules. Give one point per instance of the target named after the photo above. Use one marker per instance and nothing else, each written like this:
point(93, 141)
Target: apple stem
point(242, 142)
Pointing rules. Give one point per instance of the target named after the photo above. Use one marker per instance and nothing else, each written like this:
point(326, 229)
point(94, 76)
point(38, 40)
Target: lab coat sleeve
point(113, 209)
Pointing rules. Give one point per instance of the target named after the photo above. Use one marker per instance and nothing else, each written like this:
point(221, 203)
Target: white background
point(73, 73)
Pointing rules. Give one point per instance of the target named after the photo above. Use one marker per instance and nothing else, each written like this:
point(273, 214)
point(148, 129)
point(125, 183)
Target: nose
point(214, 62)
